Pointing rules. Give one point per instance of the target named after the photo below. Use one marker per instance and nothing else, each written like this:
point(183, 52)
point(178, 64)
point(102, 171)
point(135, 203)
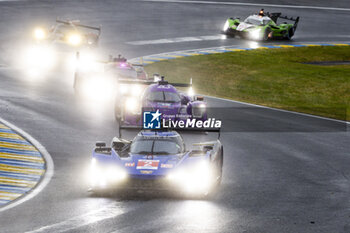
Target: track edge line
point(48, 172)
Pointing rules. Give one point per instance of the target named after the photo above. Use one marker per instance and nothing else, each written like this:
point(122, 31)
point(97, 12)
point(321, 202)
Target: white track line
point(178, 40)
point(48, 173)
point(250, 4)
point(280, 110)
point(232, 46)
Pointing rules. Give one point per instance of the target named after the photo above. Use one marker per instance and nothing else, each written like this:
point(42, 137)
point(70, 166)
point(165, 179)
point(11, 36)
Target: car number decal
point(147, 164)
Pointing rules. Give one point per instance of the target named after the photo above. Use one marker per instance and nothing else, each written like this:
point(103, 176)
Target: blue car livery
point(157, 160)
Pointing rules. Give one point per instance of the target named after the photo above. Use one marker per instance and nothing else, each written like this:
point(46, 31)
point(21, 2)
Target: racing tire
point(229, 33)
point(290, 34)
point(266, 34)
point(219, 169)
point(211, 193)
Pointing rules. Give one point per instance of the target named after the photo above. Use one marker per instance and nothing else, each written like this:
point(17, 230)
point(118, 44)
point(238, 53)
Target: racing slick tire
point(219, 168)
point(213, 190)
point(266, 34)
point(229, 32)
point(290, 34)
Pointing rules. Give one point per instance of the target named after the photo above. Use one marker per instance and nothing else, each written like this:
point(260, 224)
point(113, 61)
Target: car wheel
point(266, 34)
point(230, 33)
point(212, 191)
point(290, 34)
point(219, 169)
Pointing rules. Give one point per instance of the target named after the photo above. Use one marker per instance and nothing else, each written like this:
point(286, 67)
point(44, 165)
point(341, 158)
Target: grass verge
point(271, 77)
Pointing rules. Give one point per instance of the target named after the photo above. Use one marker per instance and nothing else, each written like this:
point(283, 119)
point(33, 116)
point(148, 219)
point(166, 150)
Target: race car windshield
point(254, 21)
point(156, 147)
point(163, 96)
point(65, 29)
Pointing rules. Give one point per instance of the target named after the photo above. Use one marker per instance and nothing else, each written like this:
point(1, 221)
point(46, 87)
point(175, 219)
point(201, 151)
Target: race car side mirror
point(100, 144)
point(118, 145)
point(156, 77)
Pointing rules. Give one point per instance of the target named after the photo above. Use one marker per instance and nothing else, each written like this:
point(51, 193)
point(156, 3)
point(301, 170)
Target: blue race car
point(173, 104)
point(157, 160)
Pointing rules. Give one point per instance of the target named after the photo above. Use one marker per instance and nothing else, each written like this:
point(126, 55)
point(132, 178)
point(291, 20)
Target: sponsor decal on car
point(129, 164)
point(166, 165)
point(146, 172)
point(147, 164)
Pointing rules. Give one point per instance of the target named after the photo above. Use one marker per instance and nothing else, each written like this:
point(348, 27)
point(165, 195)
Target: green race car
point(262, 26)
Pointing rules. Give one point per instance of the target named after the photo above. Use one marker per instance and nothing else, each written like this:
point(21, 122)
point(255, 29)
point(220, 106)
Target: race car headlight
point(101, 176)
point(39, 34)
point(226, 26)
point(255, 34)
point(132, 105)
point(74, 39)
point(197, 179)
point(136, 90)
point(93, 162)
point(190, 92)
point(123, 89)
point(115, 174)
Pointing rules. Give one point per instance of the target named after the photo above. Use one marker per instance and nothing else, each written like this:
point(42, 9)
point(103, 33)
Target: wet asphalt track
point(282, 173)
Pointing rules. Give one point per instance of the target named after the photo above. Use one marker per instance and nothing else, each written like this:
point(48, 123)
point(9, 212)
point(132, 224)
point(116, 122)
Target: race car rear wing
point(78, 24)
point(275, 16)
point(160, 82)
